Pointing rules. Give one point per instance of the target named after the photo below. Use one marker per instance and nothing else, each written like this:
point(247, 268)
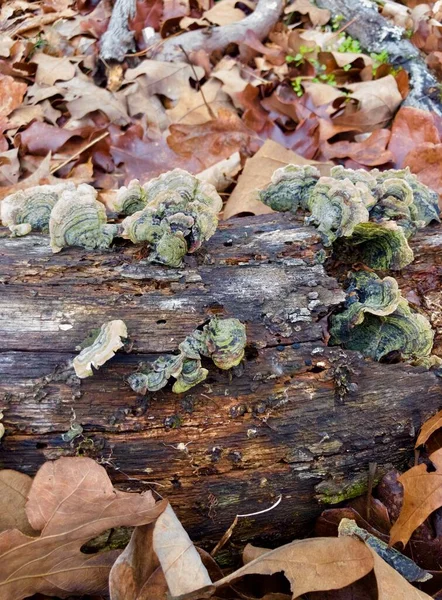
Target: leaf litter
point(306, 95)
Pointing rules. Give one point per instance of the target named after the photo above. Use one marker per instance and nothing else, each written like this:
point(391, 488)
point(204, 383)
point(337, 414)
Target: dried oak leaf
point(11, 94)
point(426, 162)
point(422, 496)
point(52, 68)
point(411, 127)
point(371, 152)
point(318, 16)
point(160, 556)
point(311, 565)
point(428, 428)
point(144, 158)
point(212, 141)
point(71, 501)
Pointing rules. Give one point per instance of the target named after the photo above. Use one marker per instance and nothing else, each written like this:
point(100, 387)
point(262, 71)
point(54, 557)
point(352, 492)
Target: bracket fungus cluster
point(103, 347)
point(174, 213)
point(378, 322)
point(371, 214)
point(180, 213)
point(222, 340)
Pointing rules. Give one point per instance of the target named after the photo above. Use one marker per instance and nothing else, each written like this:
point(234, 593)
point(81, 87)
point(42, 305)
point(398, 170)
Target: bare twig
point(76, 154)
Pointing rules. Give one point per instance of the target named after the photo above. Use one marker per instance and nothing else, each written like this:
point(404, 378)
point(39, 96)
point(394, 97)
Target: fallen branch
point(376, 34)
point(261, 21)
point(118, 40)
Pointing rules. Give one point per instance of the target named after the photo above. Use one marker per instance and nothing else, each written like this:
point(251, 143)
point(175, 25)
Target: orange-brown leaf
point(428, 428)
point(70, 502)
point(426, 162)
point(11, 94)
point(411, 127)
point(371, 152)
point(422, 496)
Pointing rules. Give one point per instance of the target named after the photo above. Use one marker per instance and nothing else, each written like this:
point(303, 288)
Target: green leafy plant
point(336, 22)
point(348, 44)
point(297, 86)
point(327, 78)
point(299, 57)
point(379, 59)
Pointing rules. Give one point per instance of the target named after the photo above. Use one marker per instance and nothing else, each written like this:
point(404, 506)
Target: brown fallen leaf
point(52, 68)
point(193, 105)
point(391, 585)
point(318, 16)
point(165, 78)
point(371, 152)
point(41, 175)
point(9, 167)
point(257, 173)
point(212, 141)
point(422, 496)
point(428, 428)
point(14, 490)
point(221, 174)
point(426, 162)
point(411, 127)
point(11, 94)
point(71, 501)
point(144, 158)
point(224, 13)
point(377, 103)
point(164, 544)
point(41, 138)
point(311, 565)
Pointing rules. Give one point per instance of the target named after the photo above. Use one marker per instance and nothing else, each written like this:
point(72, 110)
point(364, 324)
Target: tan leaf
point(6, 44)
point(40, 176)
point(378, 100)
point(311, 565)
point(229, 72)
point(191, 108)
point(165, 78)
point(318, 16)
point(52, 68)
point(14, 489)
point(257, 173)
point(221, 174)
point(224, 13)
point(71, 501)
point(24, 115)
point(11, 94)
point(428, 428)
point(391, 585)
point(411, 127)
point(9, 167)
point(422, 496)
point(164, 544)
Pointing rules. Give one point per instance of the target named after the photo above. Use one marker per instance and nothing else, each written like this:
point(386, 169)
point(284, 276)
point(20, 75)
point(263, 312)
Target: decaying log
point(377, 34)
point(118, 40)
point(297, 419)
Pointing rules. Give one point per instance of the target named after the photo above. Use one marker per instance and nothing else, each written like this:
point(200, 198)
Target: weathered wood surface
point(287, 422)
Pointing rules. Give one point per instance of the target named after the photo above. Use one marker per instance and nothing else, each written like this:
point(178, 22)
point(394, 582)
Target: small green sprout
point(327, 78)
point(348, 44)
point(336, 22)
point(298, 59)
point(379, 59)
point(297, 86)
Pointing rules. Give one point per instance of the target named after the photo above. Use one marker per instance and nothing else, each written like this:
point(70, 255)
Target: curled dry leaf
point(108, 340)
point(318, 16)
point(257, 174)
point(428, 428)
point(70, 502)
point(52, 68)
point(165, 545)
point(422, 496)
point(221, 174)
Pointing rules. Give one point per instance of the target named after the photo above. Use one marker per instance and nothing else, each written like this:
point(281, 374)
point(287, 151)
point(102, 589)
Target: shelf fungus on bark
point(378, 322)
point(180, 214)
point(425, 200)
point(382, 246)
point(290, 188)
point(108, 340)
point(222, 340)
point(78, 219)
point(30, 209)
point(129, 199)
point(337, 207)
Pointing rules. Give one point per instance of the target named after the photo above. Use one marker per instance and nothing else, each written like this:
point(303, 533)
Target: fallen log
point(297, 419)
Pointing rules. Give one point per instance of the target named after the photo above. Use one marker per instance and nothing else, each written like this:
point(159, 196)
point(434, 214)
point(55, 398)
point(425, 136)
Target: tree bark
point(287, 422)
point(376, 34)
